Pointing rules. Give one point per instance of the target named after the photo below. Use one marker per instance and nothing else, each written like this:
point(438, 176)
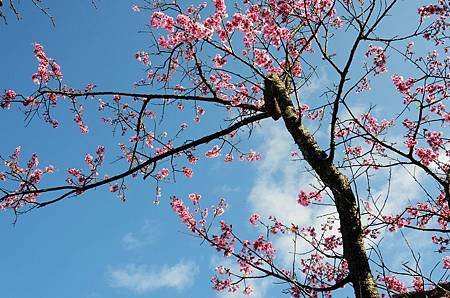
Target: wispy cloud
point(129, 241)
point(227, 189)
point(144, 236)
point(142, 279)
point(316, 84)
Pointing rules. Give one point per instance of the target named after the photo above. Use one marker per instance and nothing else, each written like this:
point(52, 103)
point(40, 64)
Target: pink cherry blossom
point(254, 218)
point(187, 172)
point(394, 284)
point(195, 198)
point(219, 61)
point(143, 57)
point(305, 199)
point(403, 86)
point(213, 152)
point(163, 174)
point(183, 212)
point(446, 262)
point(426, 155)
point(418, 284)
point(248, 290)
point(379, 59)
point(47, 68)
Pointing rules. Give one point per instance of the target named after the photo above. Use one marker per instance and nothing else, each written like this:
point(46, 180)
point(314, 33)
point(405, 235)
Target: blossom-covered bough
point(247, 62)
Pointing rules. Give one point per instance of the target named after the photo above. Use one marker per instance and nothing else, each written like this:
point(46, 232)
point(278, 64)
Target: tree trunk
point(345, 200)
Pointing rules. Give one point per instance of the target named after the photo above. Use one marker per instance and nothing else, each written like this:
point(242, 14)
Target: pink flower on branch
point(143, 57)
point(27, 180)
point(262, 58)
point(426, 155)
point(161, 20)
point(431, 9)
point(394, 284)
point(47, 68)
point(403, 86)
point(446, 262)
point(379, 59)
point(163, 174)
point(254, 219)
point(418, 284)
point(213, 152)
point(248, 290)
point(187, 172)
point(183, 212)
point(195, 198)
point(305, 199)
point(6, 99)
point(219, 61)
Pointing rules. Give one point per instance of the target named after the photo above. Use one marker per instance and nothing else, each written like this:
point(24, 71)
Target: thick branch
point(206, 139)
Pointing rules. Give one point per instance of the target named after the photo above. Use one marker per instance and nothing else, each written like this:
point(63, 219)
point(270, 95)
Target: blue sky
point(71, 249)
point(95, 246)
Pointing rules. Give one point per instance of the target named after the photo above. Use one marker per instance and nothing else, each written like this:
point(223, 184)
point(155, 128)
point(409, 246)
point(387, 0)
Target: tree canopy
point(332, 113)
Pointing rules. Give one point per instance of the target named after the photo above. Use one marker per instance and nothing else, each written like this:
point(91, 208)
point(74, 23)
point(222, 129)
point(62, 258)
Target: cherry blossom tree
point(249, 62)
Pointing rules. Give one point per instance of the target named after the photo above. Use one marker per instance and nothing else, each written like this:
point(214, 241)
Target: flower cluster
point(426, 155)
point(47, 68)
point(446, 262)
point(143, 57)
point(305, 199)
point(183, 212)
point(213, 152)
point(79, 178)
point(317, 270)
point(79, 120)
point(28, 179)
point(403, 86)
point(195, 198)
point(254, 218)
point(6, 99)
point(379, 59)
point(394, 284)
point(163, 174)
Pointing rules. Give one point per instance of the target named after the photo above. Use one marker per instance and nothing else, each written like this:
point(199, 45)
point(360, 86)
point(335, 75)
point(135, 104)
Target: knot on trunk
point(273, 87)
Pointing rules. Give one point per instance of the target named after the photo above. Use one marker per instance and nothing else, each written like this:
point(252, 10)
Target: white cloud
point(278, 179)
point(402, 189)
point(142, 279)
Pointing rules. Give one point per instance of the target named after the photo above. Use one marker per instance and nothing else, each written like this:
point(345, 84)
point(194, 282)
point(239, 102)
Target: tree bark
point(345, 200)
